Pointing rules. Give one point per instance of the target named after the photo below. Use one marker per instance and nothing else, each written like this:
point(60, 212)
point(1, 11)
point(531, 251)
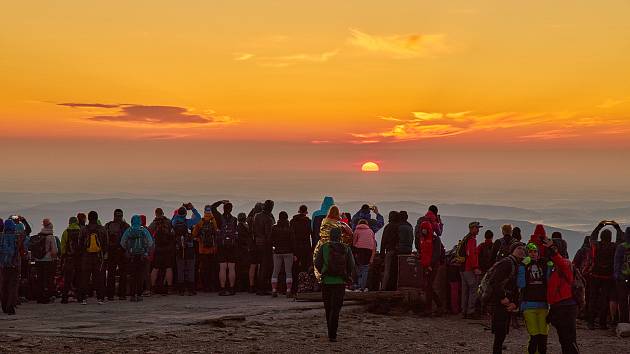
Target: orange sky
point(456, 75)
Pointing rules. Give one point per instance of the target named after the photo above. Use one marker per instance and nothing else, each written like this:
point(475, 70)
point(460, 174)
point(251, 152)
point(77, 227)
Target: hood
point(363, 227)
point(136, 222)
point(430, 216)
point(9, 226)
point(539, 233)
point(587, 242)
point(327, 203)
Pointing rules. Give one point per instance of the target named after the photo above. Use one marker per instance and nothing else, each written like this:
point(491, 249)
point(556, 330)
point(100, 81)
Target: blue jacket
point(9, 253)
point(521, 283)
point(196, 218)
point(619, 257)
point(375, 225)
point(136, 225)
point(323, 211)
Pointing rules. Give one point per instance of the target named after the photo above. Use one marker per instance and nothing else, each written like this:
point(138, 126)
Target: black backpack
point(489, 283)
point(229, 233)
point(207, 234)
point(163, 233)
point(73, 242)
point(504, 250)
point(184, 240)
point(337, 260)
point(114, 233)
point(37, 246)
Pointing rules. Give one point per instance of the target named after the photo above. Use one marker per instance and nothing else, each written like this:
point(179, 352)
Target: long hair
point(333, 213)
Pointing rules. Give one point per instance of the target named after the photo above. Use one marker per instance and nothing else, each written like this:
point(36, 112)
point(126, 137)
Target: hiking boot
point(590, 325)
point(274, 294)
point(101, 301)
point(122, 298)
point(252, 290)
point(132, 298)
point(289, 295)
point(11, 311)
point(139, 299)
point(64, 300)
point(232, 292)
point(223, 292)
point(603, 326)
point(332, 340)
point(110, 298)
point(84, 302)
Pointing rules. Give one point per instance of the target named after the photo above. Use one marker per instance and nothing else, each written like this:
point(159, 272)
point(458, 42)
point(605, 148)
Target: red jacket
point(472, 258)
point(426, 244)
point(560, 280)
point(537, 239)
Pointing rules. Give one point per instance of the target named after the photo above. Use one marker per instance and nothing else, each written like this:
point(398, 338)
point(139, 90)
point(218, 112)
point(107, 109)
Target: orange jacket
point(195, 232)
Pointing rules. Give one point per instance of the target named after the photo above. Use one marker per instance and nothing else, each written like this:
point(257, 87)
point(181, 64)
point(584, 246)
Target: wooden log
point(369, 296)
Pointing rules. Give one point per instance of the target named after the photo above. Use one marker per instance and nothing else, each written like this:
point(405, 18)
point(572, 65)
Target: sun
point(370, 167)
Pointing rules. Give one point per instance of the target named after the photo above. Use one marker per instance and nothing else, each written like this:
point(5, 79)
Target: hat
point(182, 211)
point(207, 209)
point(73, 220)
point(516, 245)
point(474, 224)
point(532, 247)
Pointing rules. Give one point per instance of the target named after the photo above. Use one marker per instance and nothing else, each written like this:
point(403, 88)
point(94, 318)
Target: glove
point(527, 260)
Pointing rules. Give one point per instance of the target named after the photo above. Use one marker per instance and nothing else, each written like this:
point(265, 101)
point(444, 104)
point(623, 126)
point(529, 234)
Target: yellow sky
point(330, 71)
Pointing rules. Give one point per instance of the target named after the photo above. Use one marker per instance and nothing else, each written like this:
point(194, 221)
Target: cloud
point(89, 105)
point(287, 60)
point(401, 46)
point(163, 137)
point(610, 103)
point(432, 125)
point(149, 114)
point(318, 142)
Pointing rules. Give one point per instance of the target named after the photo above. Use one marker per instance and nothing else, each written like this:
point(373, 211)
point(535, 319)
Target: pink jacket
point(364, 237)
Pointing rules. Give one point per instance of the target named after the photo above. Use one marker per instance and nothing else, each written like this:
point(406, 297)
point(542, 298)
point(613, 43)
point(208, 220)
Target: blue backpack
point(137, 244)
point(8, 250)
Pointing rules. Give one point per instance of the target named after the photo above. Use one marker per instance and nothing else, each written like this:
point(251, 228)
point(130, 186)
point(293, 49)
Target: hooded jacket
point(583, 259)
point(375, 224)
point(194, 220)
point(405, 238)
point(319, 216)
point(301, 226)
point(207, 218)
point(9, 246)
point(136, 226)
point(389, 240)
point(537, 238)
point(263, 223)
point(559, 284)
point(364, 237)
point(622, 258)
point(282, 238)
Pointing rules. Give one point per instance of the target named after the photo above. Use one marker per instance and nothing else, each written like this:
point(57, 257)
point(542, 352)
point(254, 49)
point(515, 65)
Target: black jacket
point(301, 227)
point(263, 222)
point(101, 238)
point(282, 238)
point(389, 241)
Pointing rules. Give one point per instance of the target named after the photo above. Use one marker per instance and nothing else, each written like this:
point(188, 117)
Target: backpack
point(578, 287)
point(137, 244)
point(229, 233)
point(37, 246)
point(458, 257)
point(489, 284)
point(73, 239)
point(207, 234)
point(337, 260)
point(504, 249)
point(163, 233)
point(8, 250)
point(180, 228)
point(114, 233)
point(603, 263)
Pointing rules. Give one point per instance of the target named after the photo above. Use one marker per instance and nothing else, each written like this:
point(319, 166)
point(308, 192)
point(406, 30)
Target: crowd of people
point(333, 252)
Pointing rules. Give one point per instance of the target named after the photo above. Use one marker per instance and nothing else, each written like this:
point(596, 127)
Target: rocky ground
point(250, 324)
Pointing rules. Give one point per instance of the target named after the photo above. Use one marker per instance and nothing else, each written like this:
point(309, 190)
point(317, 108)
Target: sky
point(472, 98)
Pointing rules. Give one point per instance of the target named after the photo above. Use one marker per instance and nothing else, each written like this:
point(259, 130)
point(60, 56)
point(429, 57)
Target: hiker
point(206, 233)
point(405, 234)
point(498, 291)
point(283, 244)
point(94, 249)
point(556, 237)
point(319, 216)
point(9, 267)
point(622, 276)
point(389, 247)
point(71, 256)
point(116, 259)
point(365, 213)
point(470, 273)
point(137, 243)
point(484, 251)
point(23, 231)
point(538, 238)
point(43, 247)
point(185, 248)
point(245, 276)
point(563, 307)
point(161, 230)
point(364, 250)
point(301, 227)
point(502, 246)
point(532, 281)
point(583, 261)
point(263, 223)
point(427, 240)
point(334, 261)
point(601, 278)
point(226, 241)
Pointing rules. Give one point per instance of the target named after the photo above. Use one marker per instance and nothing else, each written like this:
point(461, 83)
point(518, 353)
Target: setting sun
point(370, 167)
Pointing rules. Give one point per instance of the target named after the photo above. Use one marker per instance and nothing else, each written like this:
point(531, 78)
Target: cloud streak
point(286, 60)
point(403, 46)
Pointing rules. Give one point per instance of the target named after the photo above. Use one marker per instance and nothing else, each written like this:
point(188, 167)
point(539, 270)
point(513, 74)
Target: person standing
point(301, 227)
point(164, 253)
point(185, 248)
point(622, 276)
point(427, 240)
point(71, 256)
point(532, 282)
point(9, 267)
point(501, 248)
point(94, 249)
point(389, 247)
point(137, 244)
point(116, 260)
point(365, 213)
point(484, 251)
point(227, 242)
point(335, 263)
point(283, 244)
point(601, 277)
point(364, 249)
point(206, 233)
point(263, 223)
point(470, 273)
point(43, 247)
point(563, 308)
